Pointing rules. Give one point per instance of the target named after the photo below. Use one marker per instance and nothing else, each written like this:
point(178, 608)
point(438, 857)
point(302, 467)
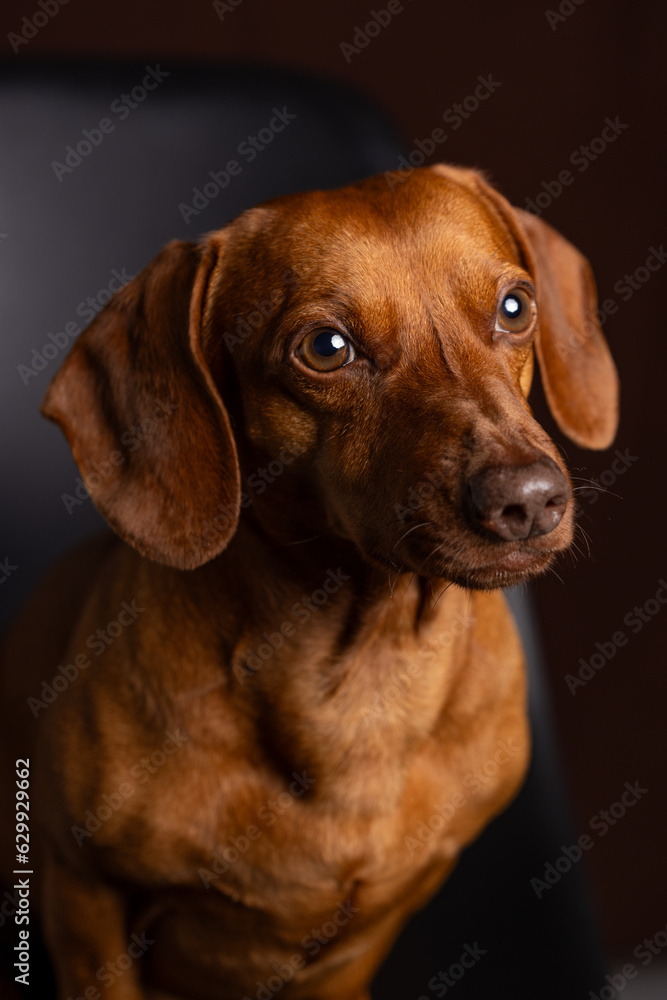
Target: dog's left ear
point(136, 400)
point(578, 372)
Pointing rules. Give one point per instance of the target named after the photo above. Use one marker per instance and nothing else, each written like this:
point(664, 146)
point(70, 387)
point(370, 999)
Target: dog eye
point(326, 350)
point(515, 312)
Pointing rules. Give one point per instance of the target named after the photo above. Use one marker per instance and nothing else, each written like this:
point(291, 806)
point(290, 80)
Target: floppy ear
point(578, 373)
point(145, 422)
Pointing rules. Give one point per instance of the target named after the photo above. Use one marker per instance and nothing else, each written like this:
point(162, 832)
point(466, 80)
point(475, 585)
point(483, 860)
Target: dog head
point(354, 364)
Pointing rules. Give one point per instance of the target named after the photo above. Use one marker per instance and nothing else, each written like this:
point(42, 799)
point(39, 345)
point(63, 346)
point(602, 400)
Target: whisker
point(584, 533)
point(302, 540)
point(587, 489)
point(585, 539)
point(446, 587)
point(582, 479)
point(430, 555)
point(574, 553)
point(422, 524)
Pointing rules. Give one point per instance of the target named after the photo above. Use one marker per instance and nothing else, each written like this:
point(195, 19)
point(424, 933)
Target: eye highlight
point(515, 312)
point(325, 350)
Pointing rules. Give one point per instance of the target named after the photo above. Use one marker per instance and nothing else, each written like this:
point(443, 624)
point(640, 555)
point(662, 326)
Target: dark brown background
point(557, 87)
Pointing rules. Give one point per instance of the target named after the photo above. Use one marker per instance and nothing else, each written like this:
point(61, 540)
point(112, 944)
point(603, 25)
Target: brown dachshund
point(263, 723)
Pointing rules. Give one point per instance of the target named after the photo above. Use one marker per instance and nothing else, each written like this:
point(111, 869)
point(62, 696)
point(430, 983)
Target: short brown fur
point(410, 592)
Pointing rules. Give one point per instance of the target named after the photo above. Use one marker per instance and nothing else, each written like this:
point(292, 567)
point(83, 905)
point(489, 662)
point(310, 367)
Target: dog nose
point(519, 501)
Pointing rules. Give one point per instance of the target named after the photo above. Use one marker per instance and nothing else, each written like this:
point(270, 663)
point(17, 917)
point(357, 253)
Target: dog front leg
point(85, 926)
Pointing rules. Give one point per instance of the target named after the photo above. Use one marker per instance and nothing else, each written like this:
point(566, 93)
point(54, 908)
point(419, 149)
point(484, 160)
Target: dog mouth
point(478, 564)
point(508, 569)
point(501, 526)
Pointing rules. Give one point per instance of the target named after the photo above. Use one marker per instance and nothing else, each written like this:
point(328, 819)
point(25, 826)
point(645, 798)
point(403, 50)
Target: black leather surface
point(70, 234)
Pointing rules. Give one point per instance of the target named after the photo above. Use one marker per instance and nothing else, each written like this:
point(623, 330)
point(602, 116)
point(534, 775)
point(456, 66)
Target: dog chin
point(489, 569)
point(514, 568)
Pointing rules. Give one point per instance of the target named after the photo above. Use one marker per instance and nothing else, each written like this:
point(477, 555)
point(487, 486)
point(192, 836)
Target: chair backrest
point(100, 166)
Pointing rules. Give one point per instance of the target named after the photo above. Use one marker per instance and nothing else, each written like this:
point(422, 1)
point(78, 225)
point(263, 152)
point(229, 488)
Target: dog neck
point(343, 668)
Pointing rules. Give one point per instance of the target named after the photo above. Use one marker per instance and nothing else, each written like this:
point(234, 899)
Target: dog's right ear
point(144, 419)
point(578, 372)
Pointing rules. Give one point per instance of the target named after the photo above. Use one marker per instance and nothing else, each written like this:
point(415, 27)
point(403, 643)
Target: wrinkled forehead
point(423, 237)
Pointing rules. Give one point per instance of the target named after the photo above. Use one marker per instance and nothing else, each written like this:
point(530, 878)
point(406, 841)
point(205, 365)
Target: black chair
point(103, 164)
